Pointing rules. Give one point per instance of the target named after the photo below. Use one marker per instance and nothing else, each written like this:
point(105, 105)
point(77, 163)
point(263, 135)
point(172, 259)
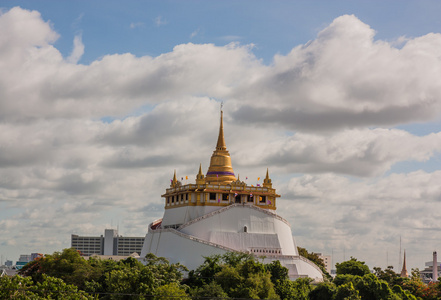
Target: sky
point(341, 100)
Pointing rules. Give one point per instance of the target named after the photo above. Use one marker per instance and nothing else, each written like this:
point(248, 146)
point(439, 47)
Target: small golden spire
point(200, 177)
point(174, 181)
point(267, 180)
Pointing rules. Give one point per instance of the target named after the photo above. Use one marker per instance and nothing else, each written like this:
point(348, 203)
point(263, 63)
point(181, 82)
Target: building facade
point(327, 260)
point(219, 213)
point(108, 244)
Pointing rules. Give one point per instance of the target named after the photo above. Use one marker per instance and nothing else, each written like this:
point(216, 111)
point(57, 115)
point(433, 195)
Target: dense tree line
point(66, 275)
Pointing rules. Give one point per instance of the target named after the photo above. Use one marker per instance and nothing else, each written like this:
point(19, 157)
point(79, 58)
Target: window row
point(224, 197)
point(269, 251)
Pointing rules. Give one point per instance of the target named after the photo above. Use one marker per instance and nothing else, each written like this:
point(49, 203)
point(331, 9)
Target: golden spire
point(404, 270)
point(174, 181)
point(200, 177)
point(267, 180)
point(221, 140)
point(220, 169)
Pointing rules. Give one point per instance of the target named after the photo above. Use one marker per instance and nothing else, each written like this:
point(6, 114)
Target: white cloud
point(160, 21)
point(345, 78)
point(363, 217)
point(134, 25)
point(329, 83)
point(366, 152)
point(76, 23)
point(77, 51)
point(195, 33)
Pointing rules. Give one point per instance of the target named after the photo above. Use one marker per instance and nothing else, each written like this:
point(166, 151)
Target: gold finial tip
point(221, 140)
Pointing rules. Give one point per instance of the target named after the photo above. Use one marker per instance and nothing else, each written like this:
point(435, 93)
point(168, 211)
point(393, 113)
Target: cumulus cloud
point(365, 152)
point(345, 79)
point(359, 218)
point(77, 51)
point(112, 86)
point(342, 79)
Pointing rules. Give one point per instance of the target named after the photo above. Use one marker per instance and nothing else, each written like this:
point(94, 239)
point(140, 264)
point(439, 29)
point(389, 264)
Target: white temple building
point(219, 213)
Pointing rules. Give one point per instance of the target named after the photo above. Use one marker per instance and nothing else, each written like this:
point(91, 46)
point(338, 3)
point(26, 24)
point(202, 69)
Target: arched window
point(245, 229)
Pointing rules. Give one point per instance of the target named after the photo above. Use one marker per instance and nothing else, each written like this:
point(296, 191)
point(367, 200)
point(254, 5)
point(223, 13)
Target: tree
point(346, 292)
point(311, 256)
point(171, 291)
point(403, 294)
point(352, 267)
point(346, 278)
point(323, 291)
point(277, 271)
point(209, 291)
point(301, 288)
point(18, 287)
point(235, 274)
point(67, 265)
point(388, 275)
point(130, 279)
point(370, 287)
point(315, 259)
point(205, 273)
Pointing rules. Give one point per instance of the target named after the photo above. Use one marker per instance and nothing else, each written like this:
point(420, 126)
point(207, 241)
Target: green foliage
point(301, 288)
point(370, 287)
point(277, 271)
point(352, 267)
point(171, 291)
point(248, 279)
point(414, 284)
point(279, 277)
point(18, 287)
point(346, 292)
point(66, 275)
point(205, 273)
point(233, 259)
point(388, 275)
point(311, 256)
point(403, 294)
point(130, 277)
point(323, 291)
point(209, 291)
point(234, 275)
point(315, 259)
point(67, 265)
point(229, 279)
point(346, 278)
point(127, 279)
